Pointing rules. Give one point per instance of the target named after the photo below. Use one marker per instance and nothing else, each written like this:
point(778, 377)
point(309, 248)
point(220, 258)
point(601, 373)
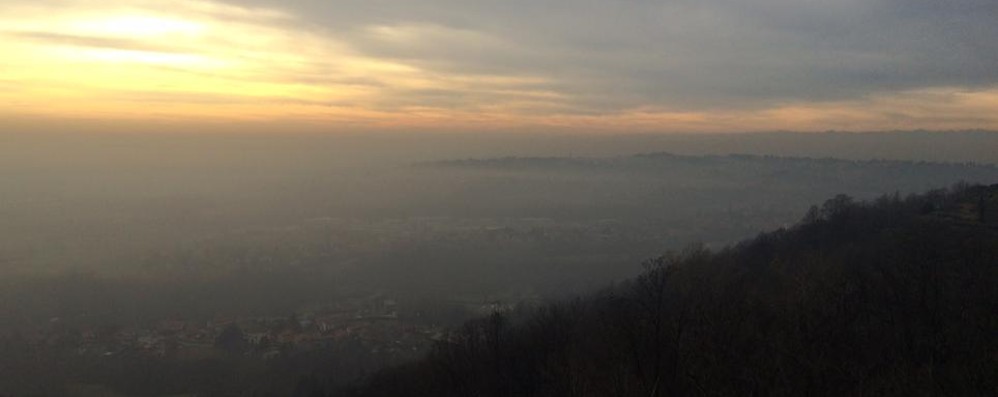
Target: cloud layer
point(625, 64)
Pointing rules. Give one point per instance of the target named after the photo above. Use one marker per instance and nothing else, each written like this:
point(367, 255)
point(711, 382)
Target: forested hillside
point(897, 296)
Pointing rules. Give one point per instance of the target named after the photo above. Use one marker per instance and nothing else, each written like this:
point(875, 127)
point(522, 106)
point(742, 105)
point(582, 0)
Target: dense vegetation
point(897, 296)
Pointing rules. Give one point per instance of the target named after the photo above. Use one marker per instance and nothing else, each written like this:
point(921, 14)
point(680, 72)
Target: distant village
point(373, 323)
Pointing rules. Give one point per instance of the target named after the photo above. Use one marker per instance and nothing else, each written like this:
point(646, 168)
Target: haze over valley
point(441, 198)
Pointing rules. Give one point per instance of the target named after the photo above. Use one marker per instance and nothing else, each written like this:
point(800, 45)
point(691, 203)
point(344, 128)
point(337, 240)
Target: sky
point(461, 65)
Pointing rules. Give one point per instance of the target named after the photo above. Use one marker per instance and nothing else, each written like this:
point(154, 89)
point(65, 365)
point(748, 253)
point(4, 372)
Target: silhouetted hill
point(897, 296)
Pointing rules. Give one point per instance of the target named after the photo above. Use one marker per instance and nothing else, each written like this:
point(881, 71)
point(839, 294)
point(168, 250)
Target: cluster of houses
point(375, 326)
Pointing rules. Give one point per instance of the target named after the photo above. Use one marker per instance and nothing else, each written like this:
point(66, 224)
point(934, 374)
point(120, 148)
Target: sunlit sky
point(634, 65)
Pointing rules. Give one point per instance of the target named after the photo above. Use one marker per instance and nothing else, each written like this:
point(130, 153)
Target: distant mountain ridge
point(667, 157)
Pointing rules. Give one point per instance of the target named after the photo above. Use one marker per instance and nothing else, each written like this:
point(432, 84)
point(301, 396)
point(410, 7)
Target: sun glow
point(137, 25)
point(188, 58)
point(119, 56)
point(201, 59)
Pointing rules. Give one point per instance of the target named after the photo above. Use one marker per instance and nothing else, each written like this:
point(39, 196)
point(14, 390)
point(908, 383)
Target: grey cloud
point(331, 79)
point(158, 97)
point(612, 55)
point(465, 100)
point(88, 41)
